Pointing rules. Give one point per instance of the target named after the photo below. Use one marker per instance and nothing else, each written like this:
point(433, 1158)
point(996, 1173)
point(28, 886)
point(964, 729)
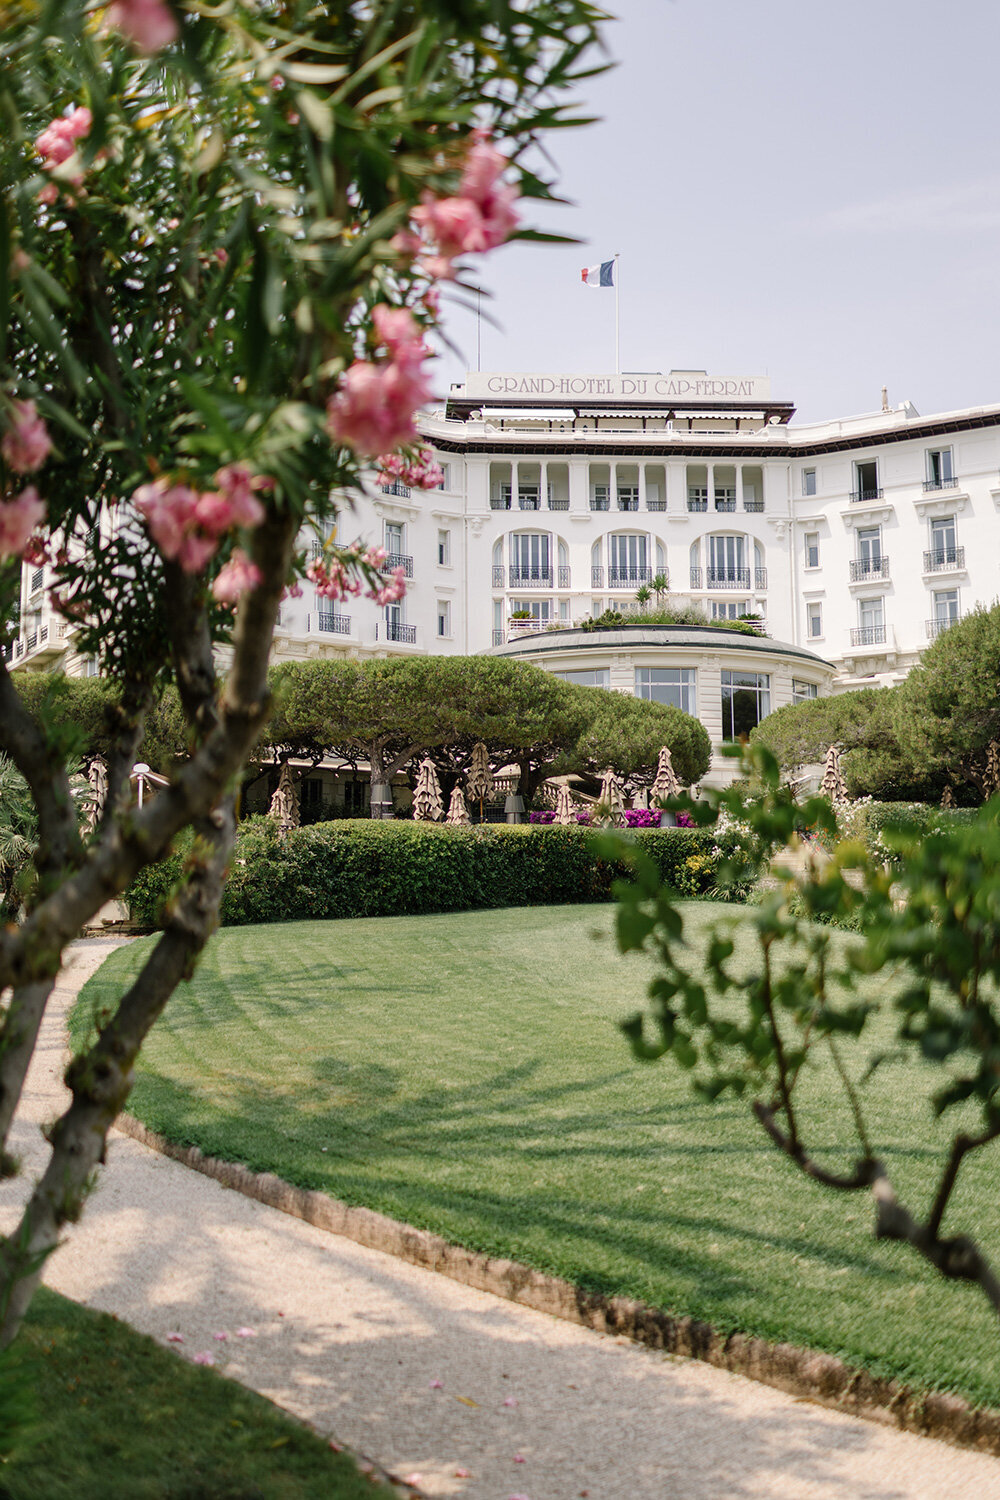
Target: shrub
point(355, 868)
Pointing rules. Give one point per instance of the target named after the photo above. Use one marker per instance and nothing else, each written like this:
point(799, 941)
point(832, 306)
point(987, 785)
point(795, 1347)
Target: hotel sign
point(680, 385)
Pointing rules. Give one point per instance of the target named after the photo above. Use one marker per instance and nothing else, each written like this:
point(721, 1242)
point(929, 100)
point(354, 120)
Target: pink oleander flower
point(196, 552)
point(18, 519)
point(169, 512)
point(399, 331)
point(237, 483)
point(420, 471)
point(332, 580)
point(149, 25)
point(392, 592)
point(48, 194)
point(374, 408)
point(406, 244)
point(222, 256)
point(235, 578)
point(57, 141)
point(26, 443)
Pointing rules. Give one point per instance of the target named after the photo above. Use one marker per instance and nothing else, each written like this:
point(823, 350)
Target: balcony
point(499, 637)
point(863, 569)
point(498, 577)
point(558, 502)
point(597, 578)
point(868, 635)
point(499, 502)
point(697, 503)
point(530, 578)
point(398, 560)
point(859, 497)
point(725, 502)
point(518, 628)
point(600, 502)
point(696, 578)
point(396, 487)
point(564, 576)
point(628, 502)
point(727, 578)
point(753, 505)
point(395, 631)
point(656, 504)
point(949, 483)
point(934, 628)
point(944, 559)
point(333, 624)
point(628, 578)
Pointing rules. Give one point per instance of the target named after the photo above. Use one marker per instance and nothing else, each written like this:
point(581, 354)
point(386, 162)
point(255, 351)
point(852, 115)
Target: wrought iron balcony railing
point(628, 578)
point(498, 577)
point(333, 624)
point(948, 482)
point(399, 560)
point(858, 497)
point(728, 578)
point(696, 578)
point(868, 635)
point(394, 631)
point(936, 626)
point(395, 487)
point(530, 578)
point(498, 637)
point(655, 504)
point(944, 557)
point(597, 578)
point(564, 576)
point(863, 568)
point(753, 505)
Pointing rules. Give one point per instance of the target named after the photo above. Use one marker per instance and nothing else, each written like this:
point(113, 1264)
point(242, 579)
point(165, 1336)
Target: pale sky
point(805, 190)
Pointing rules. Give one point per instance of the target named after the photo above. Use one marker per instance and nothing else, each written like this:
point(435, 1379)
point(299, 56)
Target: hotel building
point(856, 540)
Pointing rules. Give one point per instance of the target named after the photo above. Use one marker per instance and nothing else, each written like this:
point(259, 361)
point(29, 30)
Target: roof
point(628, 637)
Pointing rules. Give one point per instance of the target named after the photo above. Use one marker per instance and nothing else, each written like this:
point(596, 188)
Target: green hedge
point(865, 821)
point(357, 868)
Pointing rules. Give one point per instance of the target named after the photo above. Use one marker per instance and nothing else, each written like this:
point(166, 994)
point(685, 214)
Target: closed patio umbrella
point(611, 800)
point(428, 805)
point(458, 813)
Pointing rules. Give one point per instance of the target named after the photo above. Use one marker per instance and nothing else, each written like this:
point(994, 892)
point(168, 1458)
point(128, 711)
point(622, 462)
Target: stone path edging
point(805, 1373)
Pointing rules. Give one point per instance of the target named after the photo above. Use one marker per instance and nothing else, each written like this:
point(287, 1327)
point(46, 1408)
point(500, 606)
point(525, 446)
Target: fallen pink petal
point(413, 1479)
point(246, 1333)
point(175, 1338)
point(204, 1358)
point(222, 1337)
point(510, 1401)
point(519, 1458)
point(437, 1385)
point(463, 1473)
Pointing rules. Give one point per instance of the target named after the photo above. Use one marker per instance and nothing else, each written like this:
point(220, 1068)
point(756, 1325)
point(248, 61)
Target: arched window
point(628, 560)
point(530, 559)
point(727, 562)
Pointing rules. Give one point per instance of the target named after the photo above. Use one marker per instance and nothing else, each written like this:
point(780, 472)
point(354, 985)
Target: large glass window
point(530, 559)
point(674, 685)
point(802, 691)
point(595, 677)
point(746, 699)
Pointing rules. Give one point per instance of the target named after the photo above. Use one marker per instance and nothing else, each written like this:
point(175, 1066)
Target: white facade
point(856, 539)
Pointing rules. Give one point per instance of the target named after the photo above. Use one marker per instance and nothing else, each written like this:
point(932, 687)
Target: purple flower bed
point(635, 817)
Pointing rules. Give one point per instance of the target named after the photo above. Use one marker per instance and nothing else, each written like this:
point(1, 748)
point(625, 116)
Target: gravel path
point(432, 1378)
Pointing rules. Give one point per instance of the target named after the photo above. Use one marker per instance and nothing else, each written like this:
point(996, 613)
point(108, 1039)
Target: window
point(628, 564)
point(444, 617)
point(870, 614)
point(673, 685)
point(357, 795)
point(628, 497)
point(801, 691)
point(527, 496)
point(808, 481)
point(311, 792)
point(530, 559)
point(940, 473)
point(944, 549)
point(538, 610)
point(812, 549)
point(730, 609)
point(869, 562)
point(725, 497)
point(445, 476)
point(393, 541)
point(814, 620)
point(444, 549)
point(946, 606)
point(746, 699)
point(600, 497)
point(697, 497)
point(866, 481)
point(595, 677)
point(726, 564)
point(91, 667)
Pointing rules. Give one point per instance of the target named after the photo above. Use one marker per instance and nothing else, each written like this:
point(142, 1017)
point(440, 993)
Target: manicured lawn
point(463, 1073)
point(117, 1417)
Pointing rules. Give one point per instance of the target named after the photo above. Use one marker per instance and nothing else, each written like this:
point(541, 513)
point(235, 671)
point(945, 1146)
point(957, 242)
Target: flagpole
point(618, 356)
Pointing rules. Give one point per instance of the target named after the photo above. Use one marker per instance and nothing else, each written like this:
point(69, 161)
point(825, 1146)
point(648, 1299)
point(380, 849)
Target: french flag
point(602, 275)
